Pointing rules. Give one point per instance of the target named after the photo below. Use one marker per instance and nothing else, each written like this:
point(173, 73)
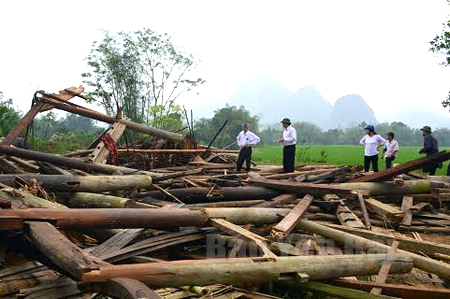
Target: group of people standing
point(371, 141)
point(247, 139)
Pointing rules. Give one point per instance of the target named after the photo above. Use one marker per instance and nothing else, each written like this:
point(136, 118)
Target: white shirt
point(391, 147)
point(371, 144)
point(247, 139)
point(289, 136)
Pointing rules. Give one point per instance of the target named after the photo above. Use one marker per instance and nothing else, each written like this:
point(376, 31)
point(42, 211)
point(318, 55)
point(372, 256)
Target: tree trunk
point(71, 183)
point(248, 270)
point(96, 200)
point(386, 188)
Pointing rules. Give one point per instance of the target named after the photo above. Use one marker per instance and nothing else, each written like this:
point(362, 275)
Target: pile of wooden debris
point(176, 221)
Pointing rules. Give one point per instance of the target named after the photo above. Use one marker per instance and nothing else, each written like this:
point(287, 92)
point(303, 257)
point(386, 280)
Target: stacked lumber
point(169, 218)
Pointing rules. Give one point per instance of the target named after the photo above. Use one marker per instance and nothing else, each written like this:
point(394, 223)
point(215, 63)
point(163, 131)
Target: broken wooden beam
point(407, 203)
point(284, 228)
point(109, 218)
point(35, 109)
point(71, 183)
point(404, 168)
point(347, 217)
point(177, 151)
point(247, 270)
point(170, 136)
point(101, 151)
point(70, 162)
point(71, 259)
point(385, 268)
point(304, 188)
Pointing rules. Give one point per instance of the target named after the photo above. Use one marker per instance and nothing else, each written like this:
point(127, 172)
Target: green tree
point(140, 71)
point(441, 46)
point(9, 115)
point(205, 129)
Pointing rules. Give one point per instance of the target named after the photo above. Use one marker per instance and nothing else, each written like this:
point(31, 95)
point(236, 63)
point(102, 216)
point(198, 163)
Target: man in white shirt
point(288, 142)
point(390, 149)
point(245, 141)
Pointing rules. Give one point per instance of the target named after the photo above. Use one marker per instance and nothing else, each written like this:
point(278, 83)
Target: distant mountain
point(265, 96)
point(311, 106)
point(350, 110)
point(417, 118)
point(268, 98)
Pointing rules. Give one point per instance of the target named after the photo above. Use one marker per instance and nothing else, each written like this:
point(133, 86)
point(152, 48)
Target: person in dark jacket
point(430, 147)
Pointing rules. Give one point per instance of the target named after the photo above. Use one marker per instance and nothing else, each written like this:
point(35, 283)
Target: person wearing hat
point(430, 147)
point(371, 142)
point(288, 142)
point(245, 141)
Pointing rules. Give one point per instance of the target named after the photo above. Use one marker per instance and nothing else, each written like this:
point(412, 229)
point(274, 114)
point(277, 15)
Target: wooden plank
point(407, 204)
point(238, 245)
point(396, 290)
point(384, 210)
point(243, 234)
point(284, 228)
point(385, 268)
point(101, 151)
point(278, 201)
point(362, 204)
point(403, 168)
point(304, 188)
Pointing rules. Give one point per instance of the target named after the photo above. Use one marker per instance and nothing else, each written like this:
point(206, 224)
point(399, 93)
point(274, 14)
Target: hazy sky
point(378, 49)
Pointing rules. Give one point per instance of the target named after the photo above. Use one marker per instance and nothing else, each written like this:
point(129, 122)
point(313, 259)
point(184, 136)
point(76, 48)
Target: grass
point(339, 154)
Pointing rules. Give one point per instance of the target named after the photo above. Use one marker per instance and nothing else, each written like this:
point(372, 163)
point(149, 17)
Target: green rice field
point(339, 154)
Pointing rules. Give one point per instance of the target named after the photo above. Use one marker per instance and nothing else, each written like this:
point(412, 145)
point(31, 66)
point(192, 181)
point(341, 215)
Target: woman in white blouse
point(371, 142)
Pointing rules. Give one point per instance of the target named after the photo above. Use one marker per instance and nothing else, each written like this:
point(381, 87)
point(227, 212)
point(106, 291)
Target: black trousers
point(245, 154)
point(389, 162)
point(289, 158)
point(373, 160)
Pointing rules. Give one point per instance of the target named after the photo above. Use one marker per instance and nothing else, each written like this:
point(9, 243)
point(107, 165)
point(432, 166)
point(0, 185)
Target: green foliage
point(140, 71)
point(172, 121)
point(9, 115)
point(441, 46)
point(64, 143)
point(205, 129)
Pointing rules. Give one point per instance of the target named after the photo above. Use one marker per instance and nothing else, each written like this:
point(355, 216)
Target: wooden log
point(278, 201)
point(66, 255)
point(7, 166)
point(421, 262)
point(420, 247)
point(101, 151)
point(48, 168)
point(35, 109)
point(20, 198)
point(199, 194)
point(227, 204)
point(386, 188)
point(285, 227)
point(71, 183)
point(303, 188)
point(173, 137)
point(111, 218)
point(247, 270)
point(405, 167)
point(396, 290)
point(96, 200)
point(70, 162)
point(25, 164)
point(242, 216)
point(384, 210)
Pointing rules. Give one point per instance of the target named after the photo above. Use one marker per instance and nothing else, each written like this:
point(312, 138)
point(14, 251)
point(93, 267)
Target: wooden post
point(364, 209)
point(101, 152)
point(406, 208)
